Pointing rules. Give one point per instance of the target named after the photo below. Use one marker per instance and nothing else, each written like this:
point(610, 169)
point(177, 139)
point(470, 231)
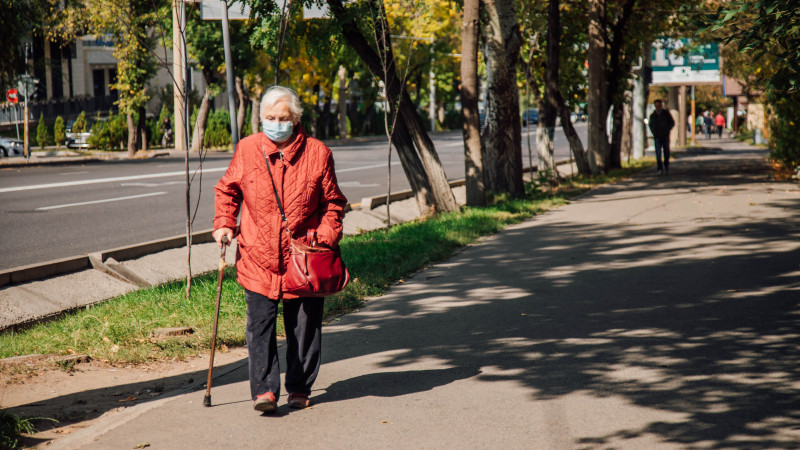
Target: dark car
point(11, 147)
point(530, 116)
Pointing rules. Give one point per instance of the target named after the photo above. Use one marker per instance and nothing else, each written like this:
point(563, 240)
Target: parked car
point(11, 147)
point(530, 116)
point(78, 140)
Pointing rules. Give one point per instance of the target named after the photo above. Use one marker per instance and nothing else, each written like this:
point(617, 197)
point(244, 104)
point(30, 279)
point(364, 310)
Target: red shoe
point(298, 401)
point(266, 402)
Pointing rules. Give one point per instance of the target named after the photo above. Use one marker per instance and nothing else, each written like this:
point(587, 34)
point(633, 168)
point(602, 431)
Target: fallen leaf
point(400, 281)
point(752, 204)
point(384, 421)
point(223, 348)
point(129, 399)
point(143, 445)
point(63, 431)
point(524, 314)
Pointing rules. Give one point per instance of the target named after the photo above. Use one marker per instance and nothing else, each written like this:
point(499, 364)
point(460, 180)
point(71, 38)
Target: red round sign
point(11, 96)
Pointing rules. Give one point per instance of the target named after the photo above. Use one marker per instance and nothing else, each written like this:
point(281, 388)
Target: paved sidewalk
point(658, 312)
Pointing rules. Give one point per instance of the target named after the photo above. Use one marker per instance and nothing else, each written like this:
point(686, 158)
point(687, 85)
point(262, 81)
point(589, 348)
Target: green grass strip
point(119, 329)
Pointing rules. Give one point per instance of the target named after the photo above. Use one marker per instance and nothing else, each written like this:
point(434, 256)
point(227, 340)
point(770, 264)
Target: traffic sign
point(11, 96)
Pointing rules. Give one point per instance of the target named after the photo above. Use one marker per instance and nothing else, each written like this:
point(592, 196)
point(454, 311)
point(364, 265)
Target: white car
point(78, 140)
point(11, 147)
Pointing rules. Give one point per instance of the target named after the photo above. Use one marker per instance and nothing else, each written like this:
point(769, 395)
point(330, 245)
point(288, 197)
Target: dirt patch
point(78, 395)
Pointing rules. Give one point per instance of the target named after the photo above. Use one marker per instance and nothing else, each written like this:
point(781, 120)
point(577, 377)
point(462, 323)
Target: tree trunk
point(429, 185)
point(501, 136)
point(142, 126)
point(575, 144)
point(133, 136)
point(626, 145)
point(341, 106)
point(615, 148)
point(596, 96)
point(255, 112)
point(471, 128)
point(549, 108)
point(243, 100)
point(199, 134)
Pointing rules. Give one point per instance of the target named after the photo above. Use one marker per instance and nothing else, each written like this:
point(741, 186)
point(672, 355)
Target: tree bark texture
point(429, 184)
point(626, 145)
point(342, 104)
point(549, 109)
point(199, 133)
point(133, 135)
point(142, 127)
point(575, 144)
point(596, 108)
point(471, 128)
point(255, 112)
point(501, 136)
point(243, 101)
point(615, 148)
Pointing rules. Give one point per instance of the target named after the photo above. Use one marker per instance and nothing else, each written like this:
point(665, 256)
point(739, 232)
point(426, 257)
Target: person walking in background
point(719, 121)
point(282, 161)
point(708, 124)
point(661, 124)
point(698, 124)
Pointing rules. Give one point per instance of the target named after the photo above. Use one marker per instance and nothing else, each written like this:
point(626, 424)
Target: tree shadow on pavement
point(693, 318)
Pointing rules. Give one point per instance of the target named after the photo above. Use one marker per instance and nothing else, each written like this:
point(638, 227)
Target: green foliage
point(41, 132)
point(218, 129)
point(59, 133)
point(11, 427)
point(110, 133)
point(99, 137)
point(765, 27)
point(785, 129)
point(80, 123)
point(118, 330)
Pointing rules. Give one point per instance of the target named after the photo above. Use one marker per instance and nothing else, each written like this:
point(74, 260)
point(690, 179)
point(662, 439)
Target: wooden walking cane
point(207, 398)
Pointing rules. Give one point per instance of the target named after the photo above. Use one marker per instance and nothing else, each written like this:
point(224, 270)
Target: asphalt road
point(52, 212)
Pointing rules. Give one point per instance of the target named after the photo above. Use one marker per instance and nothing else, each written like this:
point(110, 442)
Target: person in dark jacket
point(660, 123)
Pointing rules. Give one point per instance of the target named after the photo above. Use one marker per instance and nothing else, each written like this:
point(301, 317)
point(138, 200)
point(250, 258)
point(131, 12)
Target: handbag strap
point(277, 197)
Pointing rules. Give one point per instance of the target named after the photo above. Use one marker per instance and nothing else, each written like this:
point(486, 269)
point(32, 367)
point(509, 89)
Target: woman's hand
point(219, 232)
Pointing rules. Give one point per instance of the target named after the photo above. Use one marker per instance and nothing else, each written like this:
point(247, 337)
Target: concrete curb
point(73, 264)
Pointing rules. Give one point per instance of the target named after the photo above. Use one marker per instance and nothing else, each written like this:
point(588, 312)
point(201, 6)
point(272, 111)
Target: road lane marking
point(353, 169)
point(166, 183)
point(94, 202)
point(148, 176)
point(105, 180)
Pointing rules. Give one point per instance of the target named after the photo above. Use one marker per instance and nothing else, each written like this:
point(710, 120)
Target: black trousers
point(662, 145)
point(303, 324)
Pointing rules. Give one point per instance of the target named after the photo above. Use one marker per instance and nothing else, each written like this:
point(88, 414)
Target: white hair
point(277, 94)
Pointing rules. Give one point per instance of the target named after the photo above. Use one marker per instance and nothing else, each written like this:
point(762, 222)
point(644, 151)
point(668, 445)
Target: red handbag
point(312, 271)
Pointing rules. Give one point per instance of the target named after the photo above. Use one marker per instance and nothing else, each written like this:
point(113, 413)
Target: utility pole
point(26, 141)
point(177, 73)
point(226, 42)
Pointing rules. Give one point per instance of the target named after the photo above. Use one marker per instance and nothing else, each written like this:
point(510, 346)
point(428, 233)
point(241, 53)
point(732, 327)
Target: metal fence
point(66, 108)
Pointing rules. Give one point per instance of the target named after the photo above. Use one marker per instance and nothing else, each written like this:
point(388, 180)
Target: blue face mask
point(277, 131)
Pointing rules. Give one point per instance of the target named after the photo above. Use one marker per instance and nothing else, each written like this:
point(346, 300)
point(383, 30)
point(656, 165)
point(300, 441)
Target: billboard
point(680, 62)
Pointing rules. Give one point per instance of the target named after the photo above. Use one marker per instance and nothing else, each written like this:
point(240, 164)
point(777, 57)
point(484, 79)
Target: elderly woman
point(302, 173)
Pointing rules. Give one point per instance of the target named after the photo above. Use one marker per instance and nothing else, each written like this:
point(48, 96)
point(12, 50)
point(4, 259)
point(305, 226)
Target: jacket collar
point(293, 149)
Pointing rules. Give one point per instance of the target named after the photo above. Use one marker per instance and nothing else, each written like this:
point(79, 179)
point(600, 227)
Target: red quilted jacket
point(306, 183)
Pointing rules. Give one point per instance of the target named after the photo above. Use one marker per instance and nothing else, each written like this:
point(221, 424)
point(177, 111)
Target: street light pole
point(226, 43)
point(26, 143)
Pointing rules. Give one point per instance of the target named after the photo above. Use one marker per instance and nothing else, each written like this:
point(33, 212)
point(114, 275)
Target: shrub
point(785, 130)
point(80, 123)
point(59, 132)
point(117, 131)
point(41, 132)
point(218, 130)
point(99, 136)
